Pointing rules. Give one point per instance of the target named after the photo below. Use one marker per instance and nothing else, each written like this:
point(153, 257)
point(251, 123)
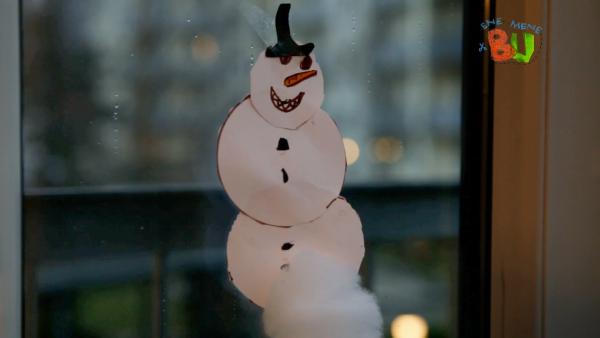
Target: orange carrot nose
point(293, 80)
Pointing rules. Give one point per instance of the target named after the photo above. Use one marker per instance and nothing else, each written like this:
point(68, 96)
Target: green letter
point(529, 47)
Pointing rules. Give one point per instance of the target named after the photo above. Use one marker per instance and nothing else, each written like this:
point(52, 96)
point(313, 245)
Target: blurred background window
point(125, 219)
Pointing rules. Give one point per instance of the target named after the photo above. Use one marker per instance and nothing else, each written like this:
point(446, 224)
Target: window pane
point(125, 219)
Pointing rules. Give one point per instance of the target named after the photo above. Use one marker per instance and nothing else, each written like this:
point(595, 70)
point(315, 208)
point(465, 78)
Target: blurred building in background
point(133, 92)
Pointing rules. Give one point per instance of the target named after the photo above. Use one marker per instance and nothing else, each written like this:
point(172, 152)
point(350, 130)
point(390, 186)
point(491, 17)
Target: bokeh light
point(352, 150)
point(204, 47)
point(409, 326)
point(388, 149)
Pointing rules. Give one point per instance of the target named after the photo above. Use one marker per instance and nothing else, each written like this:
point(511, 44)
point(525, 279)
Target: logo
point(516, 42)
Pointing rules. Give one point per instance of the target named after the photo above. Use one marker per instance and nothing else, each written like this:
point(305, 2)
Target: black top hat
point(285, 45)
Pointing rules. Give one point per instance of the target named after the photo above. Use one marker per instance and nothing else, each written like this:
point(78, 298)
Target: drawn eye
point(306, 63)
point(285, 59)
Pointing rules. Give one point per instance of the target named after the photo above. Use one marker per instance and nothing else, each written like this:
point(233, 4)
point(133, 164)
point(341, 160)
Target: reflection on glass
point(125, 220)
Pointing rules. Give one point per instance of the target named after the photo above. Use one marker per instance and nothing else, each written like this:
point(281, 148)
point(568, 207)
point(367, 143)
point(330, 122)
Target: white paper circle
point(256, 253)
point(280, 187)
point(270, 73)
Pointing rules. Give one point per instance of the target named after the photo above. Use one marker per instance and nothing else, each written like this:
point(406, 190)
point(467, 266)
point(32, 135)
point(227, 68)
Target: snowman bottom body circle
point(257, 254)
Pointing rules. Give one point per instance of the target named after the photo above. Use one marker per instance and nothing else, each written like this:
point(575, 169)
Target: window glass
point(125, 219)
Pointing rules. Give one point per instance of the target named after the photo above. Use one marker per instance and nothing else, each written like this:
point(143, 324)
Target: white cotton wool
point(317, 297)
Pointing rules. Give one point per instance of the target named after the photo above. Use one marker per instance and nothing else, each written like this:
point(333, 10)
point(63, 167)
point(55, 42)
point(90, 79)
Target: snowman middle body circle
point(281, 160)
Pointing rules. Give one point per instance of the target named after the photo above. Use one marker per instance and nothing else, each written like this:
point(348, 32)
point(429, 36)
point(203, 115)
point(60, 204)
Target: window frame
point(520, 156)
point(475, 201)
point(10, 170)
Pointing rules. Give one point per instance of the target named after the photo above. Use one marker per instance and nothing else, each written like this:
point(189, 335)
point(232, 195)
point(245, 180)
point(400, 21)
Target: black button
point(285, 176)
point(283, 145)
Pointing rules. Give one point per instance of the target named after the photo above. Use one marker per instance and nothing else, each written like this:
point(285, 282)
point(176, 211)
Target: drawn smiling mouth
point(288, 105)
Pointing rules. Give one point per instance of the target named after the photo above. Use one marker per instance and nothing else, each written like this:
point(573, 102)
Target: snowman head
point(286, 84)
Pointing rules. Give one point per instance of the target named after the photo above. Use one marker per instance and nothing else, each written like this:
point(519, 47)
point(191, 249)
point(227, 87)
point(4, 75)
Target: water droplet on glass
point(116, 106)
point(189, 20)
point(116, 95)
point(131, 54)
point(196, 36)
point(142, 227)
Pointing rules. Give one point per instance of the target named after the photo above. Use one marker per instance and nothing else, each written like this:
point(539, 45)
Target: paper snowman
point(282, 162)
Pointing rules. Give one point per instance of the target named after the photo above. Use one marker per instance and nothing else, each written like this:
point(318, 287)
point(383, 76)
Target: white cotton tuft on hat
point(316, 297)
